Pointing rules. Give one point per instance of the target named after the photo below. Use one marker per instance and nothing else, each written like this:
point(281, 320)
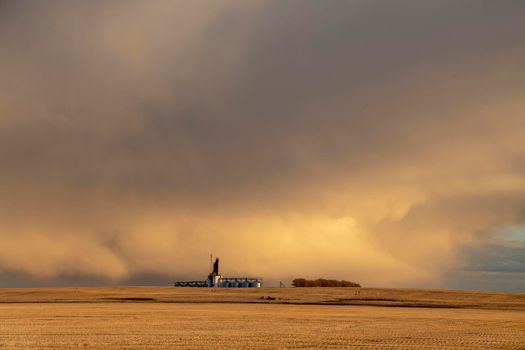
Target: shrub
point(321, 282)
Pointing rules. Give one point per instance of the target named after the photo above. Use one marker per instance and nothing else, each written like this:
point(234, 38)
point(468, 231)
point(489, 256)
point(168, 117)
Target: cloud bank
point(378, 142)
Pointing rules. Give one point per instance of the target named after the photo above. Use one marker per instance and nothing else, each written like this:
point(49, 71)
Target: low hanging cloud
point(356, 140)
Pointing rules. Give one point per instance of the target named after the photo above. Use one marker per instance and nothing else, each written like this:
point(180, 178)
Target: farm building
point(216, 280)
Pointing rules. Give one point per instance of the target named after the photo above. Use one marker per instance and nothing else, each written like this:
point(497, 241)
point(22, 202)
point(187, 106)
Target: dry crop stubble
point(95, 323)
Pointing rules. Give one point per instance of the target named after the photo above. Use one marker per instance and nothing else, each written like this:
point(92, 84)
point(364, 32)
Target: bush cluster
point(321, 282)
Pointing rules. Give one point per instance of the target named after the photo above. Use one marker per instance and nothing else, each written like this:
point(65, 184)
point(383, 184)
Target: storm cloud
point(373, 141)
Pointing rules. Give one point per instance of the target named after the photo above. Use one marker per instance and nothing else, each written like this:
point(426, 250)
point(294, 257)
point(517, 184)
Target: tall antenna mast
point(211, 263)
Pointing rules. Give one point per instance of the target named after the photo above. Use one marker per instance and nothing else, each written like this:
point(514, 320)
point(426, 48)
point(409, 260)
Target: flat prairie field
point(301, 318)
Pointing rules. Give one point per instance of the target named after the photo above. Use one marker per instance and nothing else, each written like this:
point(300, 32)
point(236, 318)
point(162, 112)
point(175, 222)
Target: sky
point(379, 142)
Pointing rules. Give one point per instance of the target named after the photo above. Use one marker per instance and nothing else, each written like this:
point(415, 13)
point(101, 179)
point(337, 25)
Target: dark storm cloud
point(146, 134)
point(496, 265)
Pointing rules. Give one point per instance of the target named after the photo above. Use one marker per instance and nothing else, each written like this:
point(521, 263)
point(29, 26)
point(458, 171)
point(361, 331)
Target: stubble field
point(183, 318)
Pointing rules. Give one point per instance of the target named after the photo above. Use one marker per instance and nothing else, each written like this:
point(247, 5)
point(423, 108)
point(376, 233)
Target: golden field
point(309, 318)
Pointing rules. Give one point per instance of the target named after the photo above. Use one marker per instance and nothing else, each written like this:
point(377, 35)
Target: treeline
point(321, 282)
